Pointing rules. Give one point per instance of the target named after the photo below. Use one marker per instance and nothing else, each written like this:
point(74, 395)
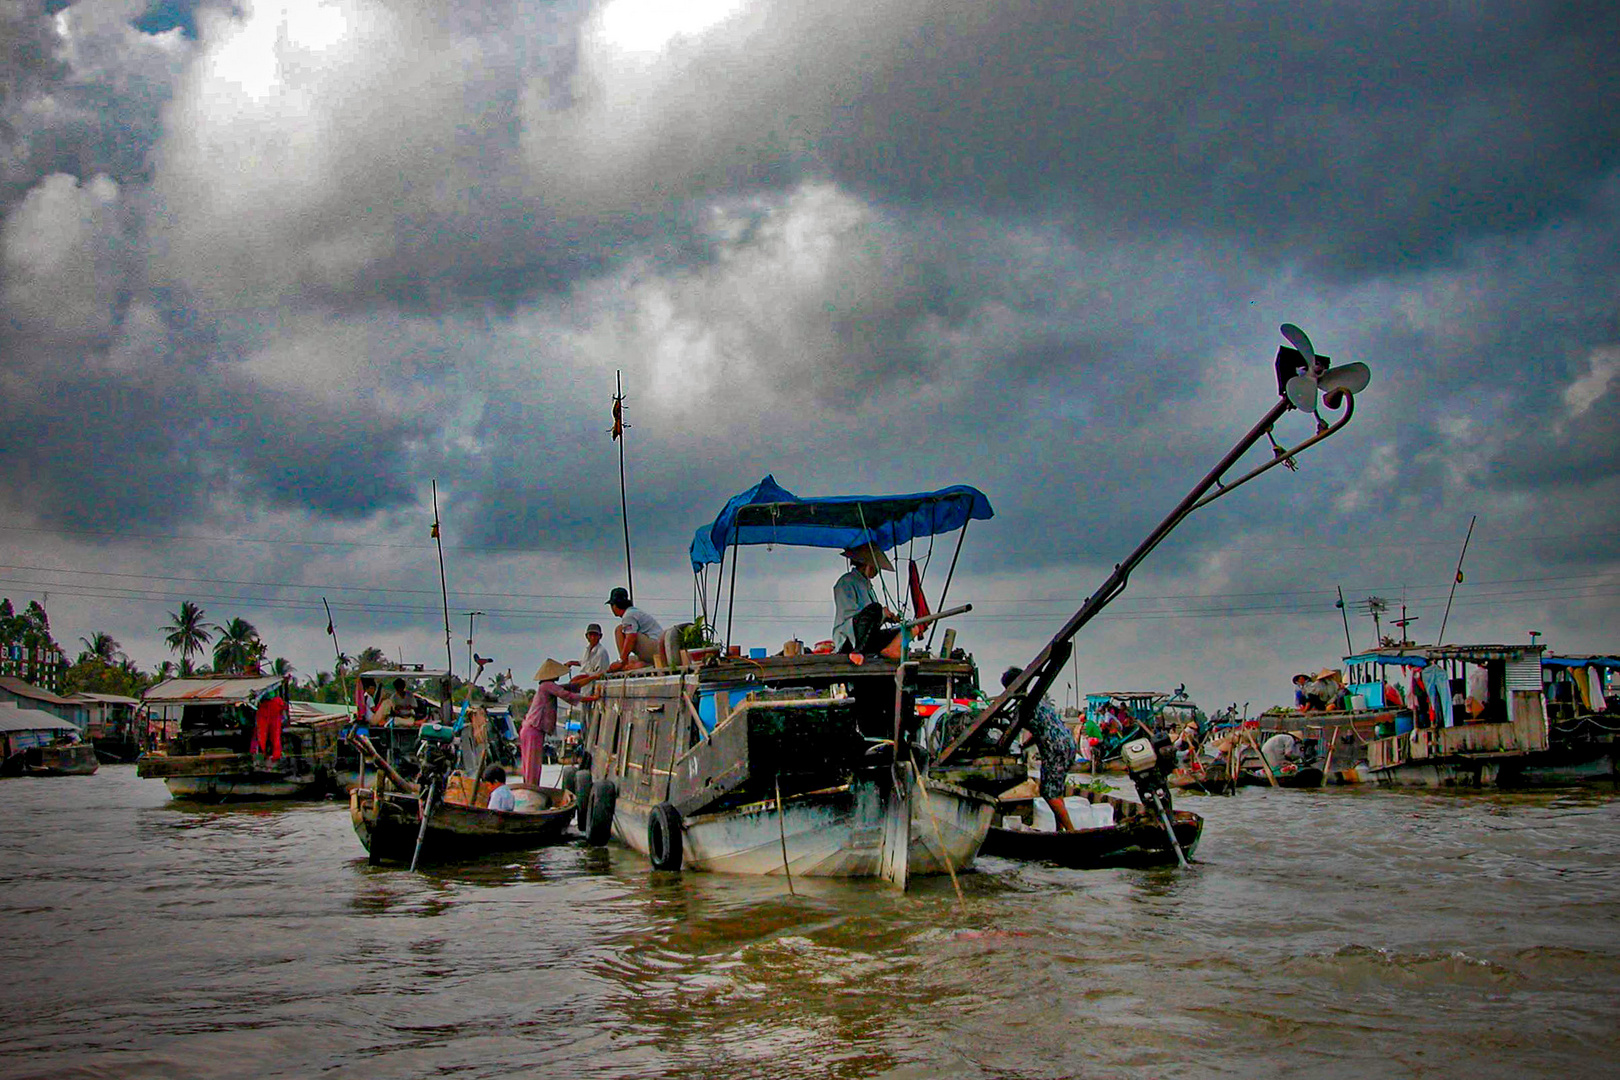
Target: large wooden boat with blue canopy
point(826, 764)
point(797, 765)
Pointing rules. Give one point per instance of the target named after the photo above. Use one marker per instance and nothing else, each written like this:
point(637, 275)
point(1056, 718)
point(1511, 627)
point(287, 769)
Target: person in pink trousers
point(541, 719)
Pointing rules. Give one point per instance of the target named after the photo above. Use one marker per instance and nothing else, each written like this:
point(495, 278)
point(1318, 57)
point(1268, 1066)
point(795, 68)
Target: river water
point(1322, 934)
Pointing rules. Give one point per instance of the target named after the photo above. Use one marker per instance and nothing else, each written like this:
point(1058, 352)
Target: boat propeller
point(1301, 373)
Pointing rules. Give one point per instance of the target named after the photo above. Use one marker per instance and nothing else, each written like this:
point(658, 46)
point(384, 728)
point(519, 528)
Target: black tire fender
point(664, 837)
point(599, 816)
point(582, 798)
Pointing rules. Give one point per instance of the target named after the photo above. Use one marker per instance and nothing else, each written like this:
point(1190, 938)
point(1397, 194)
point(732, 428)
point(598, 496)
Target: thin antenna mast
point(1345, 615)
point(444, 589)
point(1456, 579)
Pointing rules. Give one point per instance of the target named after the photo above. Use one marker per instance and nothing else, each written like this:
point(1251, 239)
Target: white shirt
point(596, 659)
point(502, 799)
point(639, 622)
point(851, 594)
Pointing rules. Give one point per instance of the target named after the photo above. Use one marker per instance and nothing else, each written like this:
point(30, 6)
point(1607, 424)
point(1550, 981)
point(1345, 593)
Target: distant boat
point(37, 743)
point(208, 755)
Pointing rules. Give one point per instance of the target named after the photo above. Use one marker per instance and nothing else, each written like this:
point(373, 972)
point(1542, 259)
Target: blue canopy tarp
point(768, 513)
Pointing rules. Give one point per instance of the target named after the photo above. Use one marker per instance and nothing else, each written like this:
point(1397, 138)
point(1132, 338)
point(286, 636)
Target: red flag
point(919, 602)
point(618, 417)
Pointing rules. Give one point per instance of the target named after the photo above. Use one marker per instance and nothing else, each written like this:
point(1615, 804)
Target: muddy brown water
point(1323, 934)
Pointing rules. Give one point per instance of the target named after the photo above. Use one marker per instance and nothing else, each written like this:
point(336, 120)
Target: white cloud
point(60, 250)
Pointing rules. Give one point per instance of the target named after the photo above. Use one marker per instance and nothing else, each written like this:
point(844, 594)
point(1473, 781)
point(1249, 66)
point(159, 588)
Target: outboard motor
point(1150, 760)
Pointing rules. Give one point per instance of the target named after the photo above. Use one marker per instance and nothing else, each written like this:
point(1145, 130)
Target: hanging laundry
point(1583, 696)
point(1479, 689)
point(1600, 701)
point(1438, 685)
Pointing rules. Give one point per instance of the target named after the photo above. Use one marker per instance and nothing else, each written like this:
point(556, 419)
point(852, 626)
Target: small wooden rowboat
point(1288, 776)
point(1202, 777)
point(1136, 839)
point(389, 824)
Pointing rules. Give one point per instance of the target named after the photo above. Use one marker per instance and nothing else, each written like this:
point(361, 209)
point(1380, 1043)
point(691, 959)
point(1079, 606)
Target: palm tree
point(370, 659)
point(102, 646)
point(187, 633)
point(282, 666)
point(238, 647)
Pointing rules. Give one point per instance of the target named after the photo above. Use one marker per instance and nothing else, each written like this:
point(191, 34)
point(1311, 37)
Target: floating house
point(1466, 715)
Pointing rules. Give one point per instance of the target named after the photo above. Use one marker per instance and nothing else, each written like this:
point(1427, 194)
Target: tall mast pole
point(624, 503)
point(444, 589)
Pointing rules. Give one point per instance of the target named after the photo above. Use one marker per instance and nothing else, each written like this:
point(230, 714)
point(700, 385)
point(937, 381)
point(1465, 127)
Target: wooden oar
point(371, 751)
point(1264, 764)
point(1327, 766)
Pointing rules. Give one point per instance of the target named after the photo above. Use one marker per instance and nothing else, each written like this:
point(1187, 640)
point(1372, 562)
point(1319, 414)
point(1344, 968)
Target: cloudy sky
point(270, 268)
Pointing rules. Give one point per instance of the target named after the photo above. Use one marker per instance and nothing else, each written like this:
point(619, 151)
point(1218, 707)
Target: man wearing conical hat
point(858, 618)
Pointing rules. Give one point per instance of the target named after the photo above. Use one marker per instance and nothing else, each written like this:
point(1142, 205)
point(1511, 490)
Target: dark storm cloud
point(1357, 138)
point(292, 268)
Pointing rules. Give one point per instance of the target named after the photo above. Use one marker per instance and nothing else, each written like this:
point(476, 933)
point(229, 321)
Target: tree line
point(201, 648)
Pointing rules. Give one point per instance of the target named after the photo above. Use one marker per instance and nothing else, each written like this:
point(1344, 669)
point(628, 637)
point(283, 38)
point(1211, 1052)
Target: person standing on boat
point(268, 718)
point(1056, 747)
point(639, 636)
point(596, 658)
point(858, 618)
point(541, 719)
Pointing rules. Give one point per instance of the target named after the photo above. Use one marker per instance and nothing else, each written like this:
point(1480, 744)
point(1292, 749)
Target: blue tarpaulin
point(768, 513)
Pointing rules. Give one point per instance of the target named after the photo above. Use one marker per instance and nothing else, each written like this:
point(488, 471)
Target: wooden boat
point(1288, 776)
point(1136, 839)
point(1204, 777)
point(208, 756)
point(388, 822)
point(37, 743)
point(56, 759)
point(787, 764)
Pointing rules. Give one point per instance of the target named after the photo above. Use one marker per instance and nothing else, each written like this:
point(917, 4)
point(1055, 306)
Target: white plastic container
point(1083, 814)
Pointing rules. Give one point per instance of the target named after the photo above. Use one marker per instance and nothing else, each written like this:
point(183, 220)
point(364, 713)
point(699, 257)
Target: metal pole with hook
point(1299, 391)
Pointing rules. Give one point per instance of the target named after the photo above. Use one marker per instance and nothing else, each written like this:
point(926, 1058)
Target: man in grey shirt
point(596, 658)
point(638, 636)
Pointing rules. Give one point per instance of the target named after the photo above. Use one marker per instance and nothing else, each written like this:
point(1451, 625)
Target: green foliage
point(187, 634)
point(95, 676)
point(698, 635)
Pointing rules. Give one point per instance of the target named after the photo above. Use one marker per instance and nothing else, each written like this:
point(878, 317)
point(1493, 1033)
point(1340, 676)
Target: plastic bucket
point(1403, 724)
point(1358, 702)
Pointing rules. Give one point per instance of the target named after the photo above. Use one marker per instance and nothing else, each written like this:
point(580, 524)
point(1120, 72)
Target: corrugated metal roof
point(110, 699)
point(15, 718)
point(29, 690)
point(210, 689)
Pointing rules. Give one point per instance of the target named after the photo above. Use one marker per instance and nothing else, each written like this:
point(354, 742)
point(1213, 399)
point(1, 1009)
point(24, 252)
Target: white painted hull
point(835, 834)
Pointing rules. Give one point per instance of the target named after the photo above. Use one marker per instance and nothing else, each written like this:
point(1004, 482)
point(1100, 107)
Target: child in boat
point(500, 796)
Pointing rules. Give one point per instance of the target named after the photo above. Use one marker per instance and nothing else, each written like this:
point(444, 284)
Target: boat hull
point(232, 777)
point(388, 825)
point(839, 833)
point(1308, 777)
point(1138, 839)
point(72, 759)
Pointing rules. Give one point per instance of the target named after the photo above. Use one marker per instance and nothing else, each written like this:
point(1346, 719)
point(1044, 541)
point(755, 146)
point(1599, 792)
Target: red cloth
point(267, 727)
point(919, 602)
